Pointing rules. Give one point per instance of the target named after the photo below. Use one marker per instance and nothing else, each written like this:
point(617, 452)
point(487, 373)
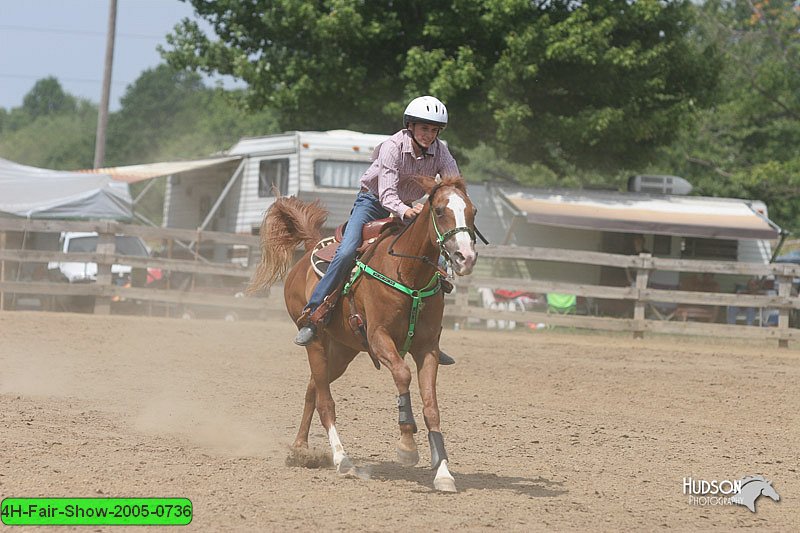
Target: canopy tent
point(691, 216)
point(33, 192)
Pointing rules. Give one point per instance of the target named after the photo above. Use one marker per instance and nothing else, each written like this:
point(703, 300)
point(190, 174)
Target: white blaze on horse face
point(464, 260)
point(336, 446)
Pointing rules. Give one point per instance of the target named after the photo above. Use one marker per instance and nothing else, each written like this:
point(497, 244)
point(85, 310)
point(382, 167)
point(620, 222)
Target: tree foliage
point(48, 98)
point(745, 145)
point(57, 140)
point(564, 83)
point(164, 115)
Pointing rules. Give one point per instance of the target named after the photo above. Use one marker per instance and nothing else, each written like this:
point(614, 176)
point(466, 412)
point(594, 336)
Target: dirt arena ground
point(546, 430)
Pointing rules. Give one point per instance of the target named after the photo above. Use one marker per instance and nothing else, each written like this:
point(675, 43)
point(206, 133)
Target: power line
point(77, 32)
point(59, 78)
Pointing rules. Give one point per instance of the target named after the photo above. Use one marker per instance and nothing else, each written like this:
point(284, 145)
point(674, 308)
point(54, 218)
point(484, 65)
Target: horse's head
point(769, 491)
point(453, 222)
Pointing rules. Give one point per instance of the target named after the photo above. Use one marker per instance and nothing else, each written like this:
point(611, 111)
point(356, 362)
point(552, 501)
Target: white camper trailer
point(233, 195)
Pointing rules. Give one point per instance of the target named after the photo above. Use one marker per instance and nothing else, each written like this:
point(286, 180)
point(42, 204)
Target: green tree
point(157, 106)
point(167, 114)
point(48, 98)
point(60, 141)
point(569, 84)
point(746, 144)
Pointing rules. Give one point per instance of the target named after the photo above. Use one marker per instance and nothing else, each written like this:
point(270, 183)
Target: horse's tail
point(287, 223)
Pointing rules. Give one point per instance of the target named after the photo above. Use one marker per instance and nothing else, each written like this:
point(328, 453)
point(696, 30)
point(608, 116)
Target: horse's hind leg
point(427, 370)
point(325, 370)
point(335, 372)
point(301, 440)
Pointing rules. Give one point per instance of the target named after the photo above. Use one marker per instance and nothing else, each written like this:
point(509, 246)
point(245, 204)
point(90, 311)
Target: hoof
point(407, 458)
point(445, 484)
point(346, 467)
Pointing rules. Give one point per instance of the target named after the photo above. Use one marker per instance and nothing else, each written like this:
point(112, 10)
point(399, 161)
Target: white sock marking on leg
point(336, 446)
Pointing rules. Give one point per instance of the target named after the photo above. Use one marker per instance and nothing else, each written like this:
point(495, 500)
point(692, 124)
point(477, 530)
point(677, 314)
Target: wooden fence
point(174, 242)
point(461, 308)
point(464, 308)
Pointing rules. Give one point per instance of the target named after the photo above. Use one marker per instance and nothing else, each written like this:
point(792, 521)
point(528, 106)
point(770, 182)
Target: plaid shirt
point(394, 165)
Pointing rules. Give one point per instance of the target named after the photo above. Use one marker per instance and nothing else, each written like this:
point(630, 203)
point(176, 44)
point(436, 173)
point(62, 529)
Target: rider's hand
point(413, 211)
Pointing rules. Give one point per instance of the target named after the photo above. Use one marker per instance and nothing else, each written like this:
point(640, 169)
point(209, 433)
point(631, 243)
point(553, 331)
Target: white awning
point(134, 173)
point(691, 216)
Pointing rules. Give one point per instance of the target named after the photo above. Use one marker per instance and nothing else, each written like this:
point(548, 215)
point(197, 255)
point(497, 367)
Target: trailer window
point(709, 249)
point(339, 174)
point(273, 174)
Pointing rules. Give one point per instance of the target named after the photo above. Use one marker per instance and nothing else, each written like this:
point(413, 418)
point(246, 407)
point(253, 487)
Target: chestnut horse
point(409, 260)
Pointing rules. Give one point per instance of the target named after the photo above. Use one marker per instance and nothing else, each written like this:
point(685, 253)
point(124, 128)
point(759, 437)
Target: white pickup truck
point(78, 272)
point(87, 242)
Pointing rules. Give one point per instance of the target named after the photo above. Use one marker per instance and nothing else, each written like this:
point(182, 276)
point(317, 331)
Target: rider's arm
point(389, 178)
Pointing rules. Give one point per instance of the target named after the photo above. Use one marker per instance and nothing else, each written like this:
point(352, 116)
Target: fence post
point(2, 269)
point(461, 302)
point(105, 246)
point(784, 291)
point(196, 257)
point(642, 277)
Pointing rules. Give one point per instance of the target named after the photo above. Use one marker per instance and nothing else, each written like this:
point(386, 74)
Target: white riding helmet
point(426, 109)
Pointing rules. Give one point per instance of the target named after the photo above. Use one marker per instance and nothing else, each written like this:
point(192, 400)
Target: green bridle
point(442, 238)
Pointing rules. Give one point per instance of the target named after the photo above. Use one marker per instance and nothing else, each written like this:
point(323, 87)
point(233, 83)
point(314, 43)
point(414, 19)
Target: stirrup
point(305, 335)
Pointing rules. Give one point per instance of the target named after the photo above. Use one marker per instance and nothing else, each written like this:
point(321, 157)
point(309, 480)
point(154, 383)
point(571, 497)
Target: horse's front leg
point(427, 370)
point(384, 348)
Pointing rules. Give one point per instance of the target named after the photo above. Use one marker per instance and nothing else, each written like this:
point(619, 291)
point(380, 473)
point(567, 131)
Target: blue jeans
point(733, 312)
point(366, 209)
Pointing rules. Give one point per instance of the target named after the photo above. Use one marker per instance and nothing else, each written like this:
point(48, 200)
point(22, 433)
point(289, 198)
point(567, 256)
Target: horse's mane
point(431, 185)
point(454, 181)
point(748, 479)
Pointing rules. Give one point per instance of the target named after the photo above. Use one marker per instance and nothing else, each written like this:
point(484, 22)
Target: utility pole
point(102, 115)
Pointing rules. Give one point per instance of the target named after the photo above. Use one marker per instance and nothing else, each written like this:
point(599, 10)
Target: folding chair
point(561, 304)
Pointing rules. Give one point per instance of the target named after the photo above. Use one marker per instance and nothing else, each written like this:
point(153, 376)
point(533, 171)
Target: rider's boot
point(313, 320)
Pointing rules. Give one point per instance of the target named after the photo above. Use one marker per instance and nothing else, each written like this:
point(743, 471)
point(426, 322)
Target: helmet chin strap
point(423, 149)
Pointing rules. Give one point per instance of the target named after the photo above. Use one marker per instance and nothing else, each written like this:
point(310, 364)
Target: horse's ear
point(427, 183)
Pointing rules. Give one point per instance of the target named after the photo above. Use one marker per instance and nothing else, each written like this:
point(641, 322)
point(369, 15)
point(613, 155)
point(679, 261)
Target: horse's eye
point(439, 211)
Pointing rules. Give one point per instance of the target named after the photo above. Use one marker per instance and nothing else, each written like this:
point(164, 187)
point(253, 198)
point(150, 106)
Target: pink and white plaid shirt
point(394, 165)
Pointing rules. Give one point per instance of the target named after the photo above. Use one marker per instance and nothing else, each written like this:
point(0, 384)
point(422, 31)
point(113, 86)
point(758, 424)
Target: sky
point(67, 39)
